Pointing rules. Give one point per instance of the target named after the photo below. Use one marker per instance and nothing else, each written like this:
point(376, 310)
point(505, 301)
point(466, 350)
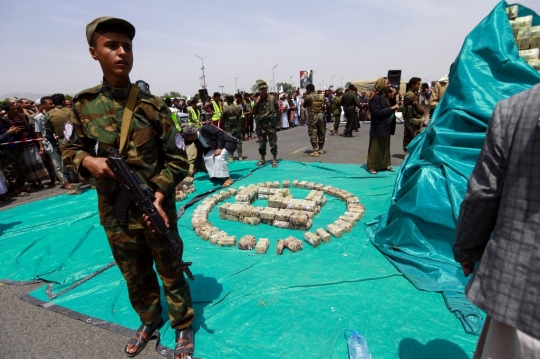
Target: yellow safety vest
point(217, 111)
point(195, 117)
point(176, 123)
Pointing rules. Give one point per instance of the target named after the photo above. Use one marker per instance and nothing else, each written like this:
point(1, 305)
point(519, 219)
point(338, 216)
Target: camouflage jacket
point(153, 151)
point(336, 105)
point(314, 104)
point(232, 116)
point(411, 109)
point(266, 109)
point(55, 120)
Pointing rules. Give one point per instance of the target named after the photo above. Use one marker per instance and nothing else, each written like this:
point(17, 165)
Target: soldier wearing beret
point(156, 152)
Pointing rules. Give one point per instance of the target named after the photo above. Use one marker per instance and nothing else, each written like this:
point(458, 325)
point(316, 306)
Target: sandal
point(261, 162)
point(187, 336)
point(139, 341)
point(390, 169)
point(274, 163)
point(372, 171)
point(22, 194)
point(227, 183)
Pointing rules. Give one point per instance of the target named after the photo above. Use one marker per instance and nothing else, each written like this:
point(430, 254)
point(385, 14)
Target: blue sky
point(44, 48)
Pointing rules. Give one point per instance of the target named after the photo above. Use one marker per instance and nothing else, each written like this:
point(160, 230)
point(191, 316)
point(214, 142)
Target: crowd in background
point(31, 132)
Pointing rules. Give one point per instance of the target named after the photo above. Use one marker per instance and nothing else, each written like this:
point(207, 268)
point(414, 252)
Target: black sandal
point(139, 341)
point(187, 335)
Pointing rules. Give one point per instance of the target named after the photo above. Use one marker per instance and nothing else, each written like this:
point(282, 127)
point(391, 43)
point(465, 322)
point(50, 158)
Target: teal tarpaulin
point(270, 306)
point(418, 232)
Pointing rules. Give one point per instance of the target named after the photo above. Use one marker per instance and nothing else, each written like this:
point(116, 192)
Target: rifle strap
point(126, 119)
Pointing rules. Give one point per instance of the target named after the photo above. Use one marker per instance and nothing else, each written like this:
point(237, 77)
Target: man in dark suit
point(499, 226)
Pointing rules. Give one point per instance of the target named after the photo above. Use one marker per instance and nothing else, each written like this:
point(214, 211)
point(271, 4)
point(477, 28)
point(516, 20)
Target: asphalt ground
point(28, 331)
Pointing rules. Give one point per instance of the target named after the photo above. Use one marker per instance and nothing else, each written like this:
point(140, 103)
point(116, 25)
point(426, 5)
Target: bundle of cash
point(262, 246)
point(247, 242)
point(312, 239)
point(529, 55)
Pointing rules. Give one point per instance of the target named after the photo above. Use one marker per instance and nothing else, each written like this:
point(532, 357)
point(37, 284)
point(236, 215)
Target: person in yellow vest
point(194, 114)
point(215, 107)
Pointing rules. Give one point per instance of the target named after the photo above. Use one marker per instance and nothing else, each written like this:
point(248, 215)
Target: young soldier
point(155, 151)
point(314, 104)
point(232, 119)
point(265, 114)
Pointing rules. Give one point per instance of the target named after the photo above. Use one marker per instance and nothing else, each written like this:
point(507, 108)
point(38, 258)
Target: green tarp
point(418, 232)
point(248, 305)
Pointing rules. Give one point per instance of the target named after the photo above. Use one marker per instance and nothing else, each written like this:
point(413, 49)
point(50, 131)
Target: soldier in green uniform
point(155, 151)
point(265, 112)
point(336, 111)
point(412, 113)
point(54, 122)
point(314, 104)
point(349, 101)
point(232, 119)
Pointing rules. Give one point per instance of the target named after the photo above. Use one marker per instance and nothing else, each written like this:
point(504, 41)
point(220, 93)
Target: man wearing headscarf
point(382, 118)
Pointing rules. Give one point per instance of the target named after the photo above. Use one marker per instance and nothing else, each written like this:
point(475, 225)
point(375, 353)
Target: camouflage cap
point(339, 89)
point(261, 85)
point(91, 27)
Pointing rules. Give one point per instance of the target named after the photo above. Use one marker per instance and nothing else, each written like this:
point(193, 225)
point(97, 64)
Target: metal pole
point(332, 81)
point(273, 79)
point(221, 89)
point(236, 84)
point(203, 77)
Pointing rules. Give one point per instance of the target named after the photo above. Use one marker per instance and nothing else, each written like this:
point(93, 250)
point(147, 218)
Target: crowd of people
point(31, 136)
point(32, 132)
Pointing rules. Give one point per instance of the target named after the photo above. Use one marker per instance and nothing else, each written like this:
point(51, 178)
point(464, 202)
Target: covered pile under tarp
point(418, 232)
point(247, 305)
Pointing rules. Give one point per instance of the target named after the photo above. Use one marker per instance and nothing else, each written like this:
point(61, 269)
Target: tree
point(287, 87)
point(172, 94)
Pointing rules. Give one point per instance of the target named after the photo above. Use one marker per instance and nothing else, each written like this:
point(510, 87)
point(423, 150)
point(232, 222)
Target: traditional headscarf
point(379, 85)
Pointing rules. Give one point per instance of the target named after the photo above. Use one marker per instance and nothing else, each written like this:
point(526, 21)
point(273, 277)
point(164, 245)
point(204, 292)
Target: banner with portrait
point(306, 77)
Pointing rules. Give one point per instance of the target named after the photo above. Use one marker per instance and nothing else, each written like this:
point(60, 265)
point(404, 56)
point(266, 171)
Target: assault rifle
point(135, 191)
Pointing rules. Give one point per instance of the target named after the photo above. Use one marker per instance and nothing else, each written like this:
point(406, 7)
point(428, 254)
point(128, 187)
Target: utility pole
point(221, 89)
point(236, 84)
point(273, 79)
point(203, 77)
point(332, 81)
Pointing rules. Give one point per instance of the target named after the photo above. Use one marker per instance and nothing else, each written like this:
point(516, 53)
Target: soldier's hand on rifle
point(98, 167)
point(159, 195)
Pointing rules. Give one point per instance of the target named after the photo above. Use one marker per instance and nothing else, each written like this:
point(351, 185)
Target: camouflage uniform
point(349, 101)
point(54, 122)
point(265, 114)
point(233, 122)
point(314, 104)
point(336, 111)
point(412, 117)
point(153, 154)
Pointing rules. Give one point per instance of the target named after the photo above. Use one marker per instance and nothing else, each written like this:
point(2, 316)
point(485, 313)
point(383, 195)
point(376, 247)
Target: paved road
point(33, 332)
